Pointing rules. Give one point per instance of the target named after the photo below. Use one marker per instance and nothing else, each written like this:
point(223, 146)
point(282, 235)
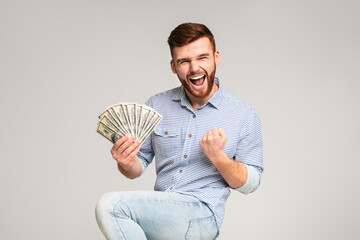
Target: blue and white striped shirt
point(181, 166)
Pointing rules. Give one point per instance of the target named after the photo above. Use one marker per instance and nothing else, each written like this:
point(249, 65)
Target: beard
point(210, 80)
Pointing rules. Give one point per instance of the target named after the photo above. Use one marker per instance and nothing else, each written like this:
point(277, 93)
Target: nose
point(194, 66)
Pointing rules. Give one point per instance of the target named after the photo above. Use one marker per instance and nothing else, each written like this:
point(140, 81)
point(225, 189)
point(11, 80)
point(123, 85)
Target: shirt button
point(171, 188)
point(185, 156)
point(180, 171)
point(194, 116)
point(166, 132)
point(190, 135)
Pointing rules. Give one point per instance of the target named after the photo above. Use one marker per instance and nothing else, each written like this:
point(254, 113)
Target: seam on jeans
point(198, 203)
point(113, 212)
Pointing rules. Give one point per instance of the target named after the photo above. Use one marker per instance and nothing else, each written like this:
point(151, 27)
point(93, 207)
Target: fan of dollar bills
point(129, 119)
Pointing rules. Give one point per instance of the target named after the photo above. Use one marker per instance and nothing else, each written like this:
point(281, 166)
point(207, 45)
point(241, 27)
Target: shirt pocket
point(167, 141)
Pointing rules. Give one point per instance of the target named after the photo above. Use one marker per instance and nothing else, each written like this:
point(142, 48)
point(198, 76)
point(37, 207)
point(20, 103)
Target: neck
point(198, 102)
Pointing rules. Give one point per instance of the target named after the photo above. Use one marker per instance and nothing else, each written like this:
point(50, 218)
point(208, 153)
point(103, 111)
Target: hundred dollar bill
point(151, 122)
point(122, 118)
point(112, 119)
point(150, 128)
point(144, 115)
point(108, 133)
point(137, 120)
point(129, 110)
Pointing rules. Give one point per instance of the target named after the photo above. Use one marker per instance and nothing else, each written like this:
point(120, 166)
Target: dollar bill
point(108, 133)
point(129, 119)
point(150, 127)
point(110, 121)
point(121, 116)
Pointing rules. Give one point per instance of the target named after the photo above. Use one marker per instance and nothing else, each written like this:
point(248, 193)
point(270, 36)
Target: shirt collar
point(180, 95)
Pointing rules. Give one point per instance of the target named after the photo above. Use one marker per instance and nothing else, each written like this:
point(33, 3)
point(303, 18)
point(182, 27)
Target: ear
point(217, 57)
point(172, 65)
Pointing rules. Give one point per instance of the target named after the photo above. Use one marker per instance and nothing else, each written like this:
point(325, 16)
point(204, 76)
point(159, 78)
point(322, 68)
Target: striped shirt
point(181, 166)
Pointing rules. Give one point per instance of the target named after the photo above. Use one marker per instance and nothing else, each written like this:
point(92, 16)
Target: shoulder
point(168, 93)
point(242, 113)
point(236, 104)
point(162, 97)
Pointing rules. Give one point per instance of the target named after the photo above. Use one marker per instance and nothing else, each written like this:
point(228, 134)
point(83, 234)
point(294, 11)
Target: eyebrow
point(187, 59)
point(204, 55)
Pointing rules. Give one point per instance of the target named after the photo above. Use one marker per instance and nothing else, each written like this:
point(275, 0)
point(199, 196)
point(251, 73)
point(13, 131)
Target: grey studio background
point(295, 62)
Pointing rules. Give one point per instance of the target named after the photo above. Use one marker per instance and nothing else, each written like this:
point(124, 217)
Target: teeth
point(198, 77)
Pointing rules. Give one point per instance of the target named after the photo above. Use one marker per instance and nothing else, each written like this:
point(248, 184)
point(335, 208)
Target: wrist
point(130, 171)
point(218, 157)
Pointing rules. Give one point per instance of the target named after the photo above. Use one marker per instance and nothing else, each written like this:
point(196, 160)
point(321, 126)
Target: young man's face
point(195, 65)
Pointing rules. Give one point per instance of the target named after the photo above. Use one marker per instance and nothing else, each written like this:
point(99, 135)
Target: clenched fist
point(213, 143)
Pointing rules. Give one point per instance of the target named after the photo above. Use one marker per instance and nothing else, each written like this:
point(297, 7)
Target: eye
point(184, 61)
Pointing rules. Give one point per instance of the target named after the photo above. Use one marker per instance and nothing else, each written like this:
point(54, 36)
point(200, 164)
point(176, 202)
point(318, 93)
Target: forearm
point(133, 172)
point(241, 177)
point(234, 172)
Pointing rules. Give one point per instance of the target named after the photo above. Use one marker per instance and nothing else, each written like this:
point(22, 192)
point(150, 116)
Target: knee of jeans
point(104, 207)
point(112, 204)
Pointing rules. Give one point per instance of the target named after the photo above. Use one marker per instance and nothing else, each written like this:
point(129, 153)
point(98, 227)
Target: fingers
point(214, 133)
point(128, 149)
point(222, 132)
point(215, 136)
point(124, 149)
point(118, 143)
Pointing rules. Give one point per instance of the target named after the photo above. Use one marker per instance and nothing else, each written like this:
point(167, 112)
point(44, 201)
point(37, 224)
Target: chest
point(179, 132)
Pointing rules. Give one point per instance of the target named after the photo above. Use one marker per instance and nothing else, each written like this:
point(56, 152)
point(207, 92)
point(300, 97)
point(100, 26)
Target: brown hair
point(189, 32)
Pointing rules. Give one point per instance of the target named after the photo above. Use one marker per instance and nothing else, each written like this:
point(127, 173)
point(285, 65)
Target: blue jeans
point(154, 215)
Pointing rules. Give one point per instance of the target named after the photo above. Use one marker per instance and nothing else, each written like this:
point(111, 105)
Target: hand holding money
point(124, 152)
point(127, 125)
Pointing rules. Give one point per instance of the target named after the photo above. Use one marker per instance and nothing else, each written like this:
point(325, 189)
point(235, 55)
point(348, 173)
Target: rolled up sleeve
point(252, 182)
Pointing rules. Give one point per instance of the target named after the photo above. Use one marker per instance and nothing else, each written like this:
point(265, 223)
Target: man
point(207, 142)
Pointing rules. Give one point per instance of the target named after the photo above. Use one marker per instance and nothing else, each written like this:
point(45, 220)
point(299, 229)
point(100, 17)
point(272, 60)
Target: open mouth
point(198, 80)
